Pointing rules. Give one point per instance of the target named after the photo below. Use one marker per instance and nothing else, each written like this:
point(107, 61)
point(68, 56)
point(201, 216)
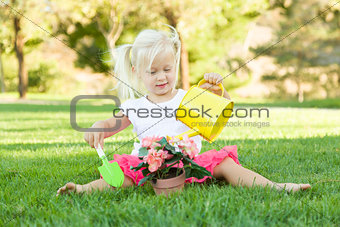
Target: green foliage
point(40, 152)
point(143, 151)
point(314, 103)
point(194, 170)
point(89, 44)
point(139, 166)
point(86, 26)
point(33, 43)
point(42, 78)
point(217, 25)
point(209, 31)
point(308, 56)
point(209, 46)
point(146, 178)
point(11, 72)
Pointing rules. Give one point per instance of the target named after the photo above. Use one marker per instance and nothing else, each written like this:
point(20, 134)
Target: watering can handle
point(204, 81)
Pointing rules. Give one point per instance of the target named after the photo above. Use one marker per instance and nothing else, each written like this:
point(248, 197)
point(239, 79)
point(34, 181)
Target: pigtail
point(128, 85)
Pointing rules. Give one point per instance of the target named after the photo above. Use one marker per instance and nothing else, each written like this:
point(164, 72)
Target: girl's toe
point(305, 186)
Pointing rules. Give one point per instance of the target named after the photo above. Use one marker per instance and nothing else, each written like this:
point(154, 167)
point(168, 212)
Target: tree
point(24, 32)
point(207, 31)
point(5, 42)
point(2, 76)
point(93, 27)
point(308, 53)
point(19, 43)
point(172, 10)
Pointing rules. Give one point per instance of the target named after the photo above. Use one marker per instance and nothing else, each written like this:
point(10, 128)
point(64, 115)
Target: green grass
point(39, 152)
point(36, 96)
point(315, 103)
point(258, 102)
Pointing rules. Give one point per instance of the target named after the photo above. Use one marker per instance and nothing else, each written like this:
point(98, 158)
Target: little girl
point(153, 66)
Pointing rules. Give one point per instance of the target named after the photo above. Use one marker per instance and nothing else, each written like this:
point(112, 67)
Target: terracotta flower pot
point(167, 186)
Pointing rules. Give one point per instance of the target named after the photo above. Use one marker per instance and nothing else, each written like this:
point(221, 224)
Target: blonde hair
point(145, 48)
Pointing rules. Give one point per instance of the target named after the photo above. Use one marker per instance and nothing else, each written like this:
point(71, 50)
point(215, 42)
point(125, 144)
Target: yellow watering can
point(204, 112)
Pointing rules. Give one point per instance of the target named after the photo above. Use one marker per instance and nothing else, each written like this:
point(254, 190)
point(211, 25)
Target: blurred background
point(277, 50)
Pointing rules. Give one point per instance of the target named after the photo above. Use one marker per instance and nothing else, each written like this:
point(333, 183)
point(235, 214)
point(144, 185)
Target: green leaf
point(143, 151)
point(202, 171)
point(165, 171)
point(194, 170)
point(185, 162)
point(189, 160)
point(140, 165)
point(148, 177)
point(170, 148)
point(163, 141)
point(167, 146)
point(145, 172)
point(187, 171)
point(173, 159)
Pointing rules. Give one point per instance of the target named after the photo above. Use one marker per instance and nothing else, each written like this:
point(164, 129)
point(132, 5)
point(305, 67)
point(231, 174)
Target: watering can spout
point(192, 132)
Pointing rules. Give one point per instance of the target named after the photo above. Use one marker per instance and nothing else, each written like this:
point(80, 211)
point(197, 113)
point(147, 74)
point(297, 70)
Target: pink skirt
point(208, 159)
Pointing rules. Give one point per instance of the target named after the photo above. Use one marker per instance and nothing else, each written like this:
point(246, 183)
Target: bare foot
point(291, 187)
point(70, 187)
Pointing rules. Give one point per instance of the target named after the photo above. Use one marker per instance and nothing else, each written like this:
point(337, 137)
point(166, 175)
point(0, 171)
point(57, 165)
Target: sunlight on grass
point(40, 152)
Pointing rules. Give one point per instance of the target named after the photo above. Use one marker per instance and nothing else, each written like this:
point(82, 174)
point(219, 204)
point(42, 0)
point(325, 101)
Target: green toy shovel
point(111, 172)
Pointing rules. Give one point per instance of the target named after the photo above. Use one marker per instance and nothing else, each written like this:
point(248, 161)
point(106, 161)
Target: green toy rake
point(111, 172)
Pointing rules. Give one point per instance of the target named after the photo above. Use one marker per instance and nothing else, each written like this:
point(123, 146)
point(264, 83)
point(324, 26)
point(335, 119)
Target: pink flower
point(154, 163)
point(155, 159)
point(191, 152)
point(173, 140)
point(188, 147)
point(150, 141)
point(155, 144)
point(169, 156)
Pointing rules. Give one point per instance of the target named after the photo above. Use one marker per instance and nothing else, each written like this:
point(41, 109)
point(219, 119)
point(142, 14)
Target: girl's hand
point(93, 138)
point(213, 79)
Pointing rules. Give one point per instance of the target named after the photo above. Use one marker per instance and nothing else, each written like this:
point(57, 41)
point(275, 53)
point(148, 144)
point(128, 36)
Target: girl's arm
point(93, 138)
point(113, 121)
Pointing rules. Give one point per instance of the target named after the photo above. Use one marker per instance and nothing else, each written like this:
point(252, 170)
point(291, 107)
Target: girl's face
point(160, 80)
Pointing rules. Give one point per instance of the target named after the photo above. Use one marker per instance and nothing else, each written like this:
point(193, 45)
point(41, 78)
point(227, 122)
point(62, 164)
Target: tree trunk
point(300, 94)
point(2, 76)
point(184, 64)
point(299, 88)
point(116, 25)
point(19, 45)
point(184, 80)
point(299, 77)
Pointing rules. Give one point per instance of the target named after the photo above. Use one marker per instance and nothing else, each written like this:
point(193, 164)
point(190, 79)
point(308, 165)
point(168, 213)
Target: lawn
point(40, 152)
